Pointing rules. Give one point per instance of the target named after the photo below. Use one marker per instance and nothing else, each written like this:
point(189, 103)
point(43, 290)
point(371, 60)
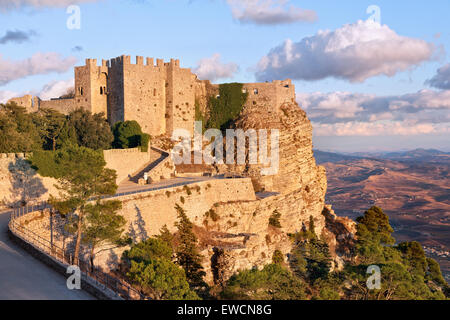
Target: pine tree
point(187, 252)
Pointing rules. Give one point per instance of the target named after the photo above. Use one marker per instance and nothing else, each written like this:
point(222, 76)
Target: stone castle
point(160, 97)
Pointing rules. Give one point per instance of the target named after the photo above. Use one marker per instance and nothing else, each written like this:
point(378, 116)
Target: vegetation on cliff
point(225, 108)
point(187, 253)
point(168, 266)
point(405, 272)
point(149, 265)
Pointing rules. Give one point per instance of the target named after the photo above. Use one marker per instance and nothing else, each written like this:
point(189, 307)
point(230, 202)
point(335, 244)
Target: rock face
point(297, 193)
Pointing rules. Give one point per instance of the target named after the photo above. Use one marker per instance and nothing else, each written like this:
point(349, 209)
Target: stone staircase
point(158, 168)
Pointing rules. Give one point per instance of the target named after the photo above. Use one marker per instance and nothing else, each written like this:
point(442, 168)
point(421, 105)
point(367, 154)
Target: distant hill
point(412, 187)
point(417, 155)
point(324, 157)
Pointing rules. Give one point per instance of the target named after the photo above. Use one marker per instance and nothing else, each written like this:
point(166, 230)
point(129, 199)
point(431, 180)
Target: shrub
point(274, 219)
point(278, 257)
point(129, 134)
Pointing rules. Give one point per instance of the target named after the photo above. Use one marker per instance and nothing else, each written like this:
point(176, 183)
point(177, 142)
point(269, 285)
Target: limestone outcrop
point(296, 192)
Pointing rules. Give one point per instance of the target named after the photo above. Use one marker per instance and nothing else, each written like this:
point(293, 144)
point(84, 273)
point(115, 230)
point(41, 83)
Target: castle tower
point(91, 90)
point(180, 91)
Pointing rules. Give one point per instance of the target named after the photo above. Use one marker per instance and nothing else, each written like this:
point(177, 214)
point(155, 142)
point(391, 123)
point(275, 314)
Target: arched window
point(101, 90)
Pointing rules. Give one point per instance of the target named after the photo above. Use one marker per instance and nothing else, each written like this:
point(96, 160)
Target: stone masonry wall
point(126, 161)
point(20, 184)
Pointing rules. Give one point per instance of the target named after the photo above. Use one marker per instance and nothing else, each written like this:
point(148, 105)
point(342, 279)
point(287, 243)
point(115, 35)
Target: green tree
point(102, 226)
point(161, 280)
point(149, 249)
point(129, 134)
point(274, 282)
point(374, 226)
point(274, 219)
point(187, 252)
point(82, 176)
point(17, 130)
point(150, 266)
point(278, 257)
point(434, 272)
point(374, 236)
point(166, 236)
point(51, 124)
point(91, 130)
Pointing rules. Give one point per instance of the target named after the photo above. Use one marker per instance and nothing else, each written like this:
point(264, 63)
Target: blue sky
point(196, 30)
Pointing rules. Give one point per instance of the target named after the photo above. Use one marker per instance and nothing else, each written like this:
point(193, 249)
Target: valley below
point(413, 188)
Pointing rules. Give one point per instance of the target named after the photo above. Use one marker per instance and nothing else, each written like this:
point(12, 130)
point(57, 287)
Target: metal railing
point(117, 286)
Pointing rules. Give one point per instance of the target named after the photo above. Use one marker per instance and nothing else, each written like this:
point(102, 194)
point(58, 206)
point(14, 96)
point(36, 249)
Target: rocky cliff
point(297, 192)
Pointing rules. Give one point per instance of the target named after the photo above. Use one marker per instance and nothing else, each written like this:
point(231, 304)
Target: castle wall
point(126, 161)
point(150, 211)
point(145, 95)
point(64, 106)
point(270, 95)
point(20, 184)
point(27, 101)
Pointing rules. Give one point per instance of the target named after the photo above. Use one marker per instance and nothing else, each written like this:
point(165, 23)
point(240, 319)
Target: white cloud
point(39, 63)
point(6, 95)
point(354, 52)
point(442, 78)
point(213, 69)
point(6, 5)
point(269, 12)
point(56, 89)
point(355, 114)
point(394, 128)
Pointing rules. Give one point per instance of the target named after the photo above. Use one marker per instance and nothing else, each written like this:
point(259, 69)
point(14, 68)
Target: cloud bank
point(269, 12)
point(354, 52)
point(213, 68)
point(350, 114)
point(56, 89)
point(39, 63)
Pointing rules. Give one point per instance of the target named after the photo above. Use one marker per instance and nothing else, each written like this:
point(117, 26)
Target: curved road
point(23, 277)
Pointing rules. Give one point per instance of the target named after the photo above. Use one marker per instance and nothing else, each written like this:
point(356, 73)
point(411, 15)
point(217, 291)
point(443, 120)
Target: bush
point(274, 282)
point(274, 219)
point(278, 257)
point(129, 134)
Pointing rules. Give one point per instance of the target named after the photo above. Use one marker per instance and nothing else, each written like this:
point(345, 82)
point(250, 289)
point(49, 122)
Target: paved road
point(23, 277)
point(134, 187)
